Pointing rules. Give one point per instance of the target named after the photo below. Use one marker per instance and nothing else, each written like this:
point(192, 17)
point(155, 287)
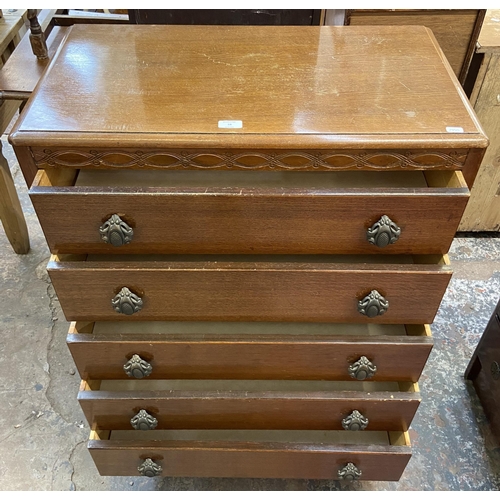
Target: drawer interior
point(128, 178)
point(247, 386)
point(244, 260)
point(396, 438)
point(247, 328)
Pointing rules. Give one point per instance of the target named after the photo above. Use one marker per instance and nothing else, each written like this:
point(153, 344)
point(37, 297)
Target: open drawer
point(248, 404)
point(374, 288)
point(371, 456)
point(239, 350)
point(154, 211)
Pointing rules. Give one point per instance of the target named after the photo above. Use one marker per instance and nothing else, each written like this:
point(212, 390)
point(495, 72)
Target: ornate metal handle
point(355, 422)
point(136, 367)
point(349, 472)
point(116, 232)
point(126, 302)
point(143, 421)
point(373, 304)
point(384, 232)
point(149, 468)
point(362, 369)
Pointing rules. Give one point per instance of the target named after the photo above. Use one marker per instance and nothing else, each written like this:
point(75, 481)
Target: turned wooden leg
point(37, 38)
point(11, 213)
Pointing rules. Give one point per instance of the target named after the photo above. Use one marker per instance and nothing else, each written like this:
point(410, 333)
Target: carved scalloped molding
point(251, 160)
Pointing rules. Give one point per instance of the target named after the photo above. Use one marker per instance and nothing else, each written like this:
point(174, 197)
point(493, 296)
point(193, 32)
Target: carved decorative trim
point(251, 160)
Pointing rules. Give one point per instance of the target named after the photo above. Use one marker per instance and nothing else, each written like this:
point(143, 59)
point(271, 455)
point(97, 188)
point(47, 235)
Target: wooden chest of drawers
point(249, 228)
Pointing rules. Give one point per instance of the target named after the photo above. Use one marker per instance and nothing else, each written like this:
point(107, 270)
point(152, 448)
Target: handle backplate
point(143, 421)
point(362, 369)
point(355, 422)
point(149, 468)
point(136, 367)
point(374, 304)
point(349, 472)
point(116, 231)
point(384, 232)
point(126, 302)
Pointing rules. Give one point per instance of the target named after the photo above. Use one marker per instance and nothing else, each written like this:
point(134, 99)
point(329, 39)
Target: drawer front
point(248, 458)
point(250, 356)
point(249, 291)
point(177, 404)
point(252, 220)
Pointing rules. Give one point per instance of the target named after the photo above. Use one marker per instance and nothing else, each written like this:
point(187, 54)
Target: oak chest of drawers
point(249, 228)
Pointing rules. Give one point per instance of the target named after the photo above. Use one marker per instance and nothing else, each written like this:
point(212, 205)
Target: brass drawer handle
point(349, 472)
point(355, 422)
point(362, 369)
point(136, 367)
point(384, 232)
point(149, 468)
point(126, 302)
point(374, 304)
point(116, 232)
point(143, 421)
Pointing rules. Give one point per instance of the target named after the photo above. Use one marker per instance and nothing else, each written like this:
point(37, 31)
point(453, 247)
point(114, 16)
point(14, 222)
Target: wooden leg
point(11, 213)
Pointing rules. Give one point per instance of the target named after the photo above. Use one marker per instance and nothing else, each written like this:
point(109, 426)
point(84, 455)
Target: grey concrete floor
point(43, 432)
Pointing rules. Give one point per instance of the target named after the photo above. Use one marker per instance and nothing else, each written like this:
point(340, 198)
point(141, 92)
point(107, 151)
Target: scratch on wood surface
point(405, 86)
point(218, 62)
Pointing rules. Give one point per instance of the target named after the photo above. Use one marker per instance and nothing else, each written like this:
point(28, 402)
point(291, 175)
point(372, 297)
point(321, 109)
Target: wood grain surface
point(247, 404)
point(456, 30)
point(325, 289)
point(489, 37)
point(483, 211)
point(228, 354)
point(249, 458)
point(251, 213)
point(307, 86)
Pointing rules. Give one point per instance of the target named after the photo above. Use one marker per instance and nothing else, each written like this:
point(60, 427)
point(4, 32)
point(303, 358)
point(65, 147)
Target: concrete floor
point(43, 432)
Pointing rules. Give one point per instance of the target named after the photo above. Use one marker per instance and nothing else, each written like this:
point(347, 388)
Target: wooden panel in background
point(483, 210)
point(456, 30)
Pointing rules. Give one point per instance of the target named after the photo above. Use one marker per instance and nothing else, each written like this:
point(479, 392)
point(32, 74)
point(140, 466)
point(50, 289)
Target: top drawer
point(220, 212)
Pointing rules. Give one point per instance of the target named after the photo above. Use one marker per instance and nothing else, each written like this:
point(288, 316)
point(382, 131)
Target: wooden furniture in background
point(484, 371)
point(483, 211)
point(12, 28)
point(23, 61)
point(256, 263)
point(258, 17)
point(456, 30)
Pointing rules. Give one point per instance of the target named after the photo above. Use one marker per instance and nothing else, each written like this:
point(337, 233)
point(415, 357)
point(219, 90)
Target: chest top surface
point(322, 84)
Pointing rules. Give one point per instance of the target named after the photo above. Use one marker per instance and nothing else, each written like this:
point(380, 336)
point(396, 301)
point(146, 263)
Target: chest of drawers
point(249, 228)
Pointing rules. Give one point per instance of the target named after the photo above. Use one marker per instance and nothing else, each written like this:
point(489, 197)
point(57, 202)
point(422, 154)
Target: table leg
point(11, 213)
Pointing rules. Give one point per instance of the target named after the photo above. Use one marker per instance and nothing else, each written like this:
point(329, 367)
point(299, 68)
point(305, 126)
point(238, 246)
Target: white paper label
point(230, 124)
point(455, 130)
